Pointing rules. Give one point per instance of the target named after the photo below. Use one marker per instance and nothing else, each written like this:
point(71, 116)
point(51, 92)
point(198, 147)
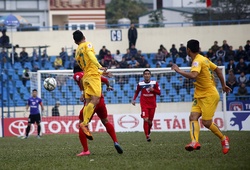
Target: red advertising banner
point(51, 125)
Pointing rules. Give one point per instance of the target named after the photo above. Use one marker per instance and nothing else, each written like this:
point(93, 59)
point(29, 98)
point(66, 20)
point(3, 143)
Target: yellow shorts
point(206, 106)
point(92, 86)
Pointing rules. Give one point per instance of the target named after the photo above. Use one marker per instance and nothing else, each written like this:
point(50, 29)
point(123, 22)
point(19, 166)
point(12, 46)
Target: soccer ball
point(49, 84)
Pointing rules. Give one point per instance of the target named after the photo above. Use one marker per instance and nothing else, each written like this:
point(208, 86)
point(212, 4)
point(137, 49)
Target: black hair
point(147, 70)
point(77, 68)
point(34, 90)
point(78, 36)
point(193, 45)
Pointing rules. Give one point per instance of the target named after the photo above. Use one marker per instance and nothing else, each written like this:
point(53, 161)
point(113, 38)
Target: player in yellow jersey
point(86, 59)
point(206, 96)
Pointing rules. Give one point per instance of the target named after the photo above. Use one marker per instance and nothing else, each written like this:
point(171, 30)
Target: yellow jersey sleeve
point(92, 57)
point(196, 66)
point(212, 65)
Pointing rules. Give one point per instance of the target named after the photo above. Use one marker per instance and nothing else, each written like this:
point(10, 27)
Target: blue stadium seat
point(28, 64)
point(17, 65)
point(163, 79)
point(52, 59)
point(179, 60)
point(183, 92)
point(235, 90)
point(231, 96)
point(172, 92)
point(188, 98)
point(192, 91)
point(177, 98)
point(132, 80)
point(64, 89)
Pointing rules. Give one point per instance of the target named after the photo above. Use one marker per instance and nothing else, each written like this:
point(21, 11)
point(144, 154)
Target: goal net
point(176, 90)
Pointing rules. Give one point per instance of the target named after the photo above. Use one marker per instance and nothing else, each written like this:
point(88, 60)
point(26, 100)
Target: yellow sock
point(214, 128)
point(87, 113)
point(194, 131)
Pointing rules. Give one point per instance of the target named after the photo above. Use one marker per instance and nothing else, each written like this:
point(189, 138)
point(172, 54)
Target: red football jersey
point(147, 98)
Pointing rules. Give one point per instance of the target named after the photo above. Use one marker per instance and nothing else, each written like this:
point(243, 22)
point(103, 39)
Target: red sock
point(83, 140)
point(111, 131)
point(150, 126)
point(145, 127)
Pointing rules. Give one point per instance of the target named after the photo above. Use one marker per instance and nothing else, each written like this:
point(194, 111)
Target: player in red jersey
point(101, 112)
point(149, 89)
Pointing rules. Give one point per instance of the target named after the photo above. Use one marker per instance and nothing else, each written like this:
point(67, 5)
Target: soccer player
point(206, 96)
point(91, 81)
point(149, 89)
point(34, 117)
point(101, 112)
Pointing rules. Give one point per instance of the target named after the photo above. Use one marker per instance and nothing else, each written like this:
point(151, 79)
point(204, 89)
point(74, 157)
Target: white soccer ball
point(49, 84)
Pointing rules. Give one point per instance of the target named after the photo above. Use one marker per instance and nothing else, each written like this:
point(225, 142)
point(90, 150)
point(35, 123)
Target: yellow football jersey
point(204, 83)
point(86, 59)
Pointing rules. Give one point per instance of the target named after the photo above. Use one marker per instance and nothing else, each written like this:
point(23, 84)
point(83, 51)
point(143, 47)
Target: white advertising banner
point(238, 120)
point(1, 134)
point(161, 122)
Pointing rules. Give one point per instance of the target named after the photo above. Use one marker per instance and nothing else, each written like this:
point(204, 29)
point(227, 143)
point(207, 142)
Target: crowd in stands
point(236, 61)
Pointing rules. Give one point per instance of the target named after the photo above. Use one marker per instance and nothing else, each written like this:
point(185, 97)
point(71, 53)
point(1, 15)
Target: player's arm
point(136, 94)
point(190, 75)
point(106, 81)
point(225, 88)
point(93, 59)
point(41, 104)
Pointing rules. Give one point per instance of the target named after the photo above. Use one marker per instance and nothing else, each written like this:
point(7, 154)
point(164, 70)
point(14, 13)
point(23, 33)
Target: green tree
point(130, 9)
point(156, 18)
point(226, 10)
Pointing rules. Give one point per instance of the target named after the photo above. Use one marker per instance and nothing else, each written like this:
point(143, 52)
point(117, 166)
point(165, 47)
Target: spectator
point(133, 63)
point(231, 80)
point(230, 55)
point(35, 68)
point(241, 66)
point(159, 57)
point(113, 64)
point(103, 63)
point(127, 56)
point(240, 53)
point(35, 57)
point(72, 62)
point(219, 63)
point(210, 54)
point(182, 51)
point(231, 66)
point(138, 56)
point(143, 63)
point(215, 47)
point(57, 62)
point(173, 52)
point(25, 76)
point(242, 92)
point(4, 56)
point(225, 46)
point(242, 79)
point(107, 58)
point(23, 56)
point(44, 58)
point(170, 63)
point(247, 49)
point(132, 35)
point(200, 52)
point(118, 56)
point(164, 51)
point(16, 59)
point(123, 63)
point(103, 52)
point(4, 39)
point(133, 50)
point(64, 56)
point(60, 80)
point(55, 110)
point(220, 54)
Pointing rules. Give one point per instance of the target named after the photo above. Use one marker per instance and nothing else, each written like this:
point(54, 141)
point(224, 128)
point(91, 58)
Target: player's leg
point(101, 112)
point(151, 114)
point(209, 105)
point(145, 117)
point(92, 89)
point(82, 138)
point(194, 127)
point(30, 121)
point(38, 121)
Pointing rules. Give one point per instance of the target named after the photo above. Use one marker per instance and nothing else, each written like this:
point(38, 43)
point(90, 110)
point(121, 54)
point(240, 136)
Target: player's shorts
point(100, 110)
point(34, 118)
point(148, 113)
point(92, 86)
point(206, 106)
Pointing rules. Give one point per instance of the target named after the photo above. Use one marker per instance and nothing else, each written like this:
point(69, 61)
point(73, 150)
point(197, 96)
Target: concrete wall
point(149, 39)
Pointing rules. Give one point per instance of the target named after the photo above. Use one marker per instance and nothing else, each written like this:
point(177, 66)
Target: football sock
point(214, 128)
point(150, 125)
point(111, 131)
point(194, 131)
point(83, 140)
point(145, 127)
point(88, 111)
point(38, 129)
point(28, 130)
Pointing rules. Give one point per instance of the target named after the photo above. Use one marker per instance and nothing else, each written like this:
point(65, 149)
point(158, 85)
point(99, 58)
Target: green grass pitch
point(165, 151)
